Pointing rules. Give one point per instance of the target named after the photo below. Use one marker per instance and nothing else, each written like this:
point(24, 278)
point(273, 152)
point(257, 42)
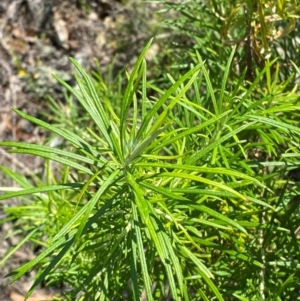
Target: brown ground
point(36, 39)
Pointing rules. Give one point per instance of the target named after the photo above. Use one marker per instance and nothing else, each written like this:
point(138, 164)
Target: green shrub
point(188, 192)
point(168, 198)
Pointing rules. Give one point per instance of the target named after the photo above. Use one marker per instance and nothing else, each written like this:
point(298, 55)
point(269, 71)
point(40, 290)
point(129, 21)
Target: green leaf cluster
point(189, 192)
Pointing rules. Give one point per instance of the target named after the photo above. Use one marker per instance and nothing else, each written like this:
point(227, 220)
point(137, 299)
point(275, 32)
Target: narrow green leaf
point(175, 262)
point(195, 129)
point(281, 288)
point(21, 180)
point(64, 240)
point(209, 86)
point(204, 270)
point(18, 246)
point(225, 78)
point(128, 94)
point(163, 99)
point(163, 191)
point(133, 264)
point(141, 147)
point(214, 144)
point(202, 180)
point(164, 243)
point(41, 189)
point(219, 216)
point(68, 135)
point(53, 157)
point(42, 148)
point(144, 209)
point(49, 268)
point(141, 251)
point(277, 124)
point(88, 208)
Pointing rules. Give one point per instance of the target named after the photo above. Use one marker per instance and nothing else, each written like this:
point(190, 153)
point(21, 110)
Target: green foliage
point(261, 30)
point(189, 192)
